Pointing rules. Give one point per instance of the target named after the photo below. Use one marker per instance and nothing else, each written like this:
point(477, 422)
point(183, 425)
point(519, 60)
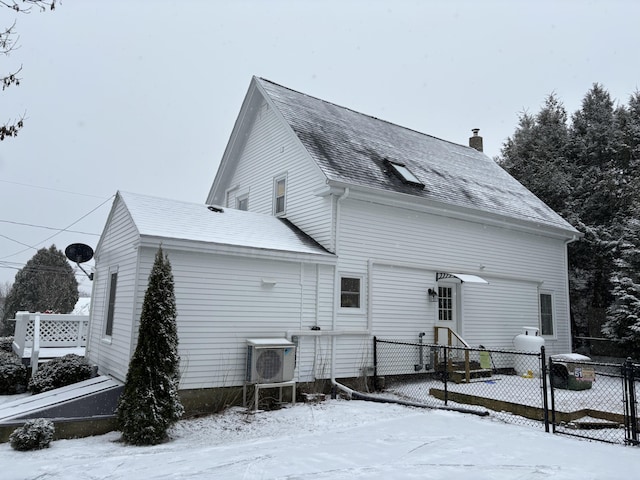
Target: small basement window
point(403, 173)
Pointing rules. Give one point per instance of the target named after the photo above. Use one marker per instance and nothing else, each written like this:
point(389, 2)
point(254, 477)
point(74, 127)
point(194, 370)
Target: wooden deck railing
point(45, 335)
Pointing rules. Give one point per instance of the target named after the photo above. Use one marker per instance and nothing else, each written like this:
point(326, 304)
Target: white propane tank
point(528, 341)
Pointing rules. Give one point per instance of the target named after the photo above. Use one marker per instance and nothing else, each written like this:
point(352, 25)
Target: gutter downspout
point(336, 290)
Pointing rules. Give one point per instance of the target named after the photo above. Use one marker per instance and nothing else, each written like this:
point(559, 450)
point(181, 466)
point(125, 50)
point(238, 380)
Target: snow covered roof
point(353, 148)
point(173, 219)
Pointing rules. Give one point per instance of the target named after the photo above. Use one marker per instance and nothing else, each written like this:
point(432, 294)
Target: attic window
point(404, 174)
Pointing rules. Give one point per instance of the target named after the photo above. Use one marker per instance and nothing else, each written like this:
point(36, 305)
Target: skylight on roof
point(405, 174)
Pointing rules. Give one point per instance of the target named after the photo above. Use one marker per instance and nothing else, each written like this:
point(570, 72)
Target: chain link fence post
point(544, 378)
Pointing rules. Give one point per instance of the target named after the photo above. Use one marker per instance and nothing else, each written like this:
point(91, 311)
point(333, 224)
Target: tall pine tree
point(623, 319)
point(623, 324)
point(46, 283)
point(536, 154)
point(149, 404)
point(587, 171)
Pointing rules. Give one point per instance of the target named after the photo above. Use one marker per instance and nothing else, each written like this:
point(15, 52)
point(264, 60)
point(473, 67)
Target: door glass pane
point(445, 303)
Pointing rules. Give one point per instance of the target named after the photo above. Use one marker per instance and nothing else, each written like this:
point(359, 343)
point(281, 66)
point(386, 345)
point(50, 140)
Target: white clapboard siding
point(221, 301)
point(114, 251)
point(513, 262)
point(271, 150)
point(401, 309)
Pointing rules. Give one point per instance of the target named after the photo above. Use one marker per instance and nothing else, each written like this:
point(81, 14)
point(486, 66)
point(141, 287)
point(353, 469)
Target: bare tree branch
point(25, 6)
point(8, 43)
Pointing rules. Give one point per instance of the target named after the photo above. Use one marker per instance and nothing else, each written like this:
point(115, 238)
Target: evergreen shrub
point(35, 434)
point(13, 374)
point(60, 372)
point(6, 344)
point(149, 403)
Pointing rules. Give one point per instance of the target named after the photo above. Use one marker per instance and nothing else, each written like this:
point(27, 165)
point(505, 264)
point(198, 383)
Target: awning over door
point(463, 277)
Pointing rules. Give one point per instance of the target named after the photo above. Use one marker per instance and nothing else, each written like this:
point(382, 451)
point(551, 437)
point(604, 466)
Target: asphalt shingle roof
point(352, 147)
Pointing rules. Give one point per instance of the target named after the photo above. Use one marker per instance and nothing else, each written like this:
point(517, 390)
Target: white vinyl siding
point(221, 301)
point(270, 148)
point(115, 249)
point(492, 315)
point(400, 307)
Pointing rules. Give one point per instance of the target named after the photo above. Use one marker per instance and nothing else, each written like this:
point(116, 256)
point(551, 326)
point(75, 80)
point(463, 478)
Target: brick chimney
point(476, 140)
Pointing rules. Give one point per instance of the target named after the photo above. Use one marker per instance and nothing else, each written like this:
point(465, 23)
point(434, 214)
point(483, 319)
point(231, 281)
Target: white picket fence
point(42, 336)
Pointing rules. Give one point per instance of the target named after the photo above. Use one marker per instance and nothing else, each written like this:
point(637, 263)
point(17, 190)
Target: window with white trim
point(242, 202)
point(279, 195)
point(111, 306)
point(350, 288)
point(546, 314)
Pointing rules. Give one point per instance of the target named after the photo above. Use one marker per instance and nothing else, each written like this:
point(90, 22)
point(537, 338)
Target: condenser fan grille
point(270, 360)
point(269, 364)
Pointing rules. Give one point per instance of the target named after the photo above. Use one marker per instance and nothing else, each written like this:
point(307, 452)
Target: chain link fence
point(568, 395)
point(594, 400)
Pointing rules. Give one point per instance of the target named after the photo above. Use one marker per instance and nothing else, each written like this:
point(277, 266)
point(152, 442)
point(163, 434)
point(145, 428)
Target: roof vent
point(476, 140)
point(215, 209)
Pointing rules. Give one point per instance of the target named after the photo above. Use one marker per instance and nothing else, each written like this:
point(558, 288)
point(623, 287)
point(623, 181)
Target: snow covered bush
point(60, 372)
point(13, 374)
point(35, 434)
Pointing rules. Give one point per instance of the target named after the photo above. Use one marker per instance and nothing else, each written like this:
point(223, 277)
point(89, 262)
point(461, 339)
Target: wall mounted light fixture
point(433, 295)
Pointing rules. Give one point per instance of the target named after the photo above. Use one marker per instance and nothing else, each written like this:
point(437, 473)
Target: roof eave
point(403, 200)
point(184, 245)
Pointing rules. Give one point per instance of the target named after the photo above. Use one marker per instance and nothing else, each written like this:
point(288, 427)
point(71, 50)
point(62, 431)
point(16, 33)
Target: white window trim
point(554, 317)
point(230, 195)
point(351, 310)
point(239, 198)
point(284, 177)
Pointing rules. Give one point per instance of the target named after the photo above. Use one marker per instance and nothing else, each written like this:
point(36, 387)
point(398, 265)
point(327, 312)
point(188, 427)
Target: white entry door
point(448, 309)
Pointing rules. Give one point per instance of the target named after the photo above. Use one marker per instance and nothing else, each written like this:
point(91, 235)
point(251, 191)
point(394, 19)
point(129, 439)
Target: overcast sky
point(141, 96)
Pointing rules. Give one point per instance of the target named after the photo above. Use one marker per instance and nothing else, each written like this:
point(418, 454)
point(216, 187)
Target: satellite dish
point(79, 252)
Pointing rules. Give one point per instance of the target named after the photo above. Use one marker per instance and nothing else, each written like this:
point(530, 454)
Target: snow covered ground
point(336, 439)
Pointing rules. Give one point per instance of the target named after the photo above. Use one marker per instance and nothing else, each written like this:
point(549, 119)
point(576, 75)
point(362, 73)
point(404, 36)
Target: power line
point(16, 241)
point(48, 228)
point(51, 189)
point(58, 232)
point(49, 269)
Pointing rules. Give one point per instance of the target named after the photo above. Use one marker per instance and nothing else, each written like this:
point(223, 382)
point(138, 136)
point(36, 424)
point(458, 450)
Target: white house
point(328, 227)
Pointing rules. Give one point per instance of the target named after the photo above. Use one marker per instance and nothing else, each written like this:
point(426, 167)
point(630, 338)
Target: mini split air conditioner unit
point(270, 360)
